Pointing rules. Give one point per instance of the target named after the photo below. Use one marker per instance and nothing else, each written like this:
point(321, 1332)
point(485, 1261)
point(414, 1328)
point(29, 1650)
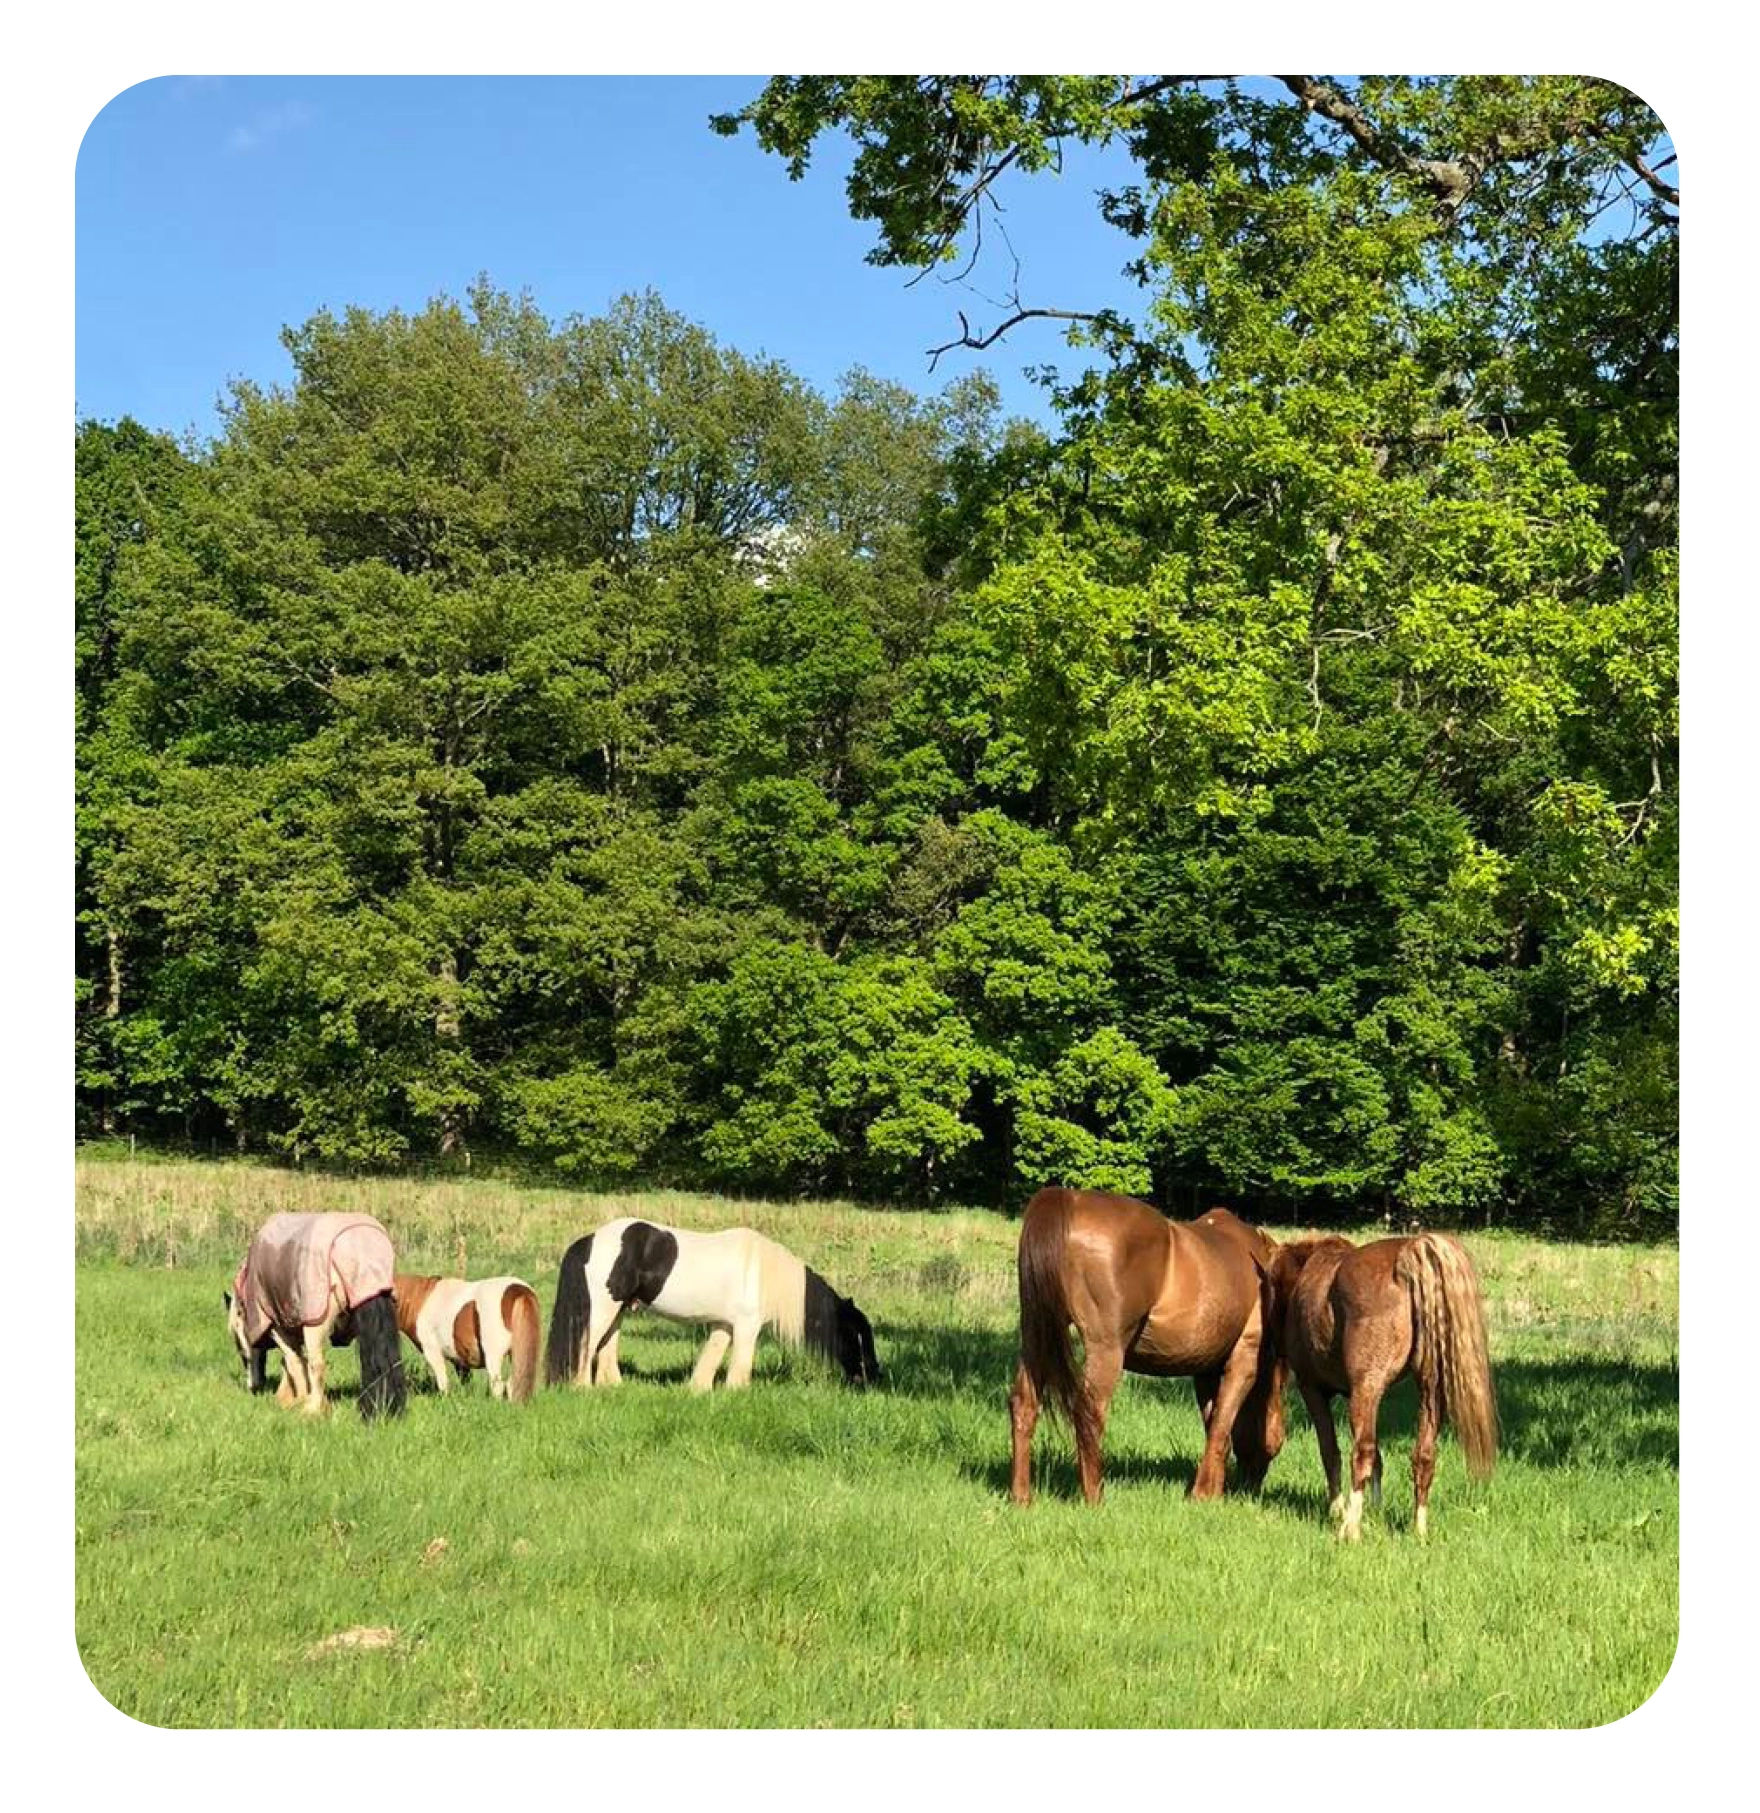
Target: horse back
point(1347, 1313)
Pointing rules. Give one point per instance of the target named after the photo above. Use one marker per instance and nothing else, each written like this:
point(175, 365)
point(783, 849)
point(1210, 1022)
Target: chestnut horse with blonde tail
point(1167, 1298)
point(1352, 1320)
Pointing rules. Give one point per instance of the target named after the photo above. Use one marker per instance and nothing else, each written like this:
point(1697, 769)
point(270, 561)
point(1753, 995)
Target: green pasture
point(803, 1555)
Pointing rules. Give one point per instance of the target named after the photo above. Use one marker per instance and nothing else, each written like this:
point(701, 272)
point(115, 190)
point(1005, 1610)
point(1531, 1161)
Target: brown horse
point(1173, 1299)
point(1355, 1319)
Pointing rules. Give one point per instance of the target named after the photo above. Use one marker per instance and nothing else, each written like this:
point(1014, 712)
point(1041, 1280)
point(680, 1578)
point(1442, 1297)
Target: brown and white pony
point(314, 1281)
point(481, 1323)
point(1352, 1320)
point(1169, 1298)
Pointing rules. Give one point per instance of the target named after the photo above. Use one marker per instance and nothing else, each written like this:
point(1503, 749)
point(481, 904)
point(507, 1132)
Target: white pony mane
point(782, 1289)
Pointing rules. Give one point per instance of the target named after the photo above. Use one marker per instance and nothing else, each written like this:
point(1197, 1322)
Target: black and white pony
point(738, 1281)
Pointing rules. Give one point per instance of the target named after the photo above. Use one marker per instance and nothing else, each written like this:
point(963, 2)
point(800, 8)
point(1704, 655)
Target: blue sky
point(212, 211)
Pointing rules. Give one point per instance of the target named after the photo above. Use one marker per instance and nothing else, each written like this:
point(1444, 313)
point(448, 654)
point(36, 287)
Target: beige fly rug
point(285, 1279)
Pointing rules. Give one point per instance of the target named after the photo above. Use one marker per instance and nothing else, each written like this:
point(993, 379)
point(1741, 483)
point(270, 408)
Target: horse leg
point(435, 1355)
point(315, 1337)
point(709, 1360)
point(1365, 1408)
point(292, 1389)
point(1319, 1407)
point(1023, 1416)
point(602, 1367)
point(1238, 1377)
point(1205, 1386)
point(1424, 1455)
point(745, 1342)
point(497, 1344)
point(1099, 1380)
point(603, 1315)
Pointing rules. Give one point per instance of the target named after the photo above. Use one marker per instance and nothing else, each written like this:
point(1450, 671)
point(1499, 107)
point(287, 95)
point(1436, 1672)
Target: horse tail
point(568, 1320)
point(382, 1386)
point(519, 1310)
point(1452, 1359)
point(1045, 1317)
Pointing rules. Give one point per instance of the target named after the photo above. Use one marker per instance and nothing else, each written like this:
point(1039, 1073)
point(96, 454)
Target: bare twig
point(978, 343)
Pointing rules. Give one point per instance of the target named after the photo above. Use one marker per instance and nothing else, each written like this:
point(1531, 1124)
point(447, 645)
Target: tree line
point(579, 739)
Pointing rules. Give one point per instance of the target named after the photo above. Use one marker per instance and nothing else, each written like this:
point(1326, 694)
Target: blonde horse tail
point(1045, 1318)
point(1452, 1357)
point(568, 1320)
point(519, 1310)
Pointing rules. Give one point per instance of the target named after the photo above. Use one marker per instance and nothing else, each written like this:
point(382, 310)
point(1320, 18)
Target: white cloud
point(269, 124)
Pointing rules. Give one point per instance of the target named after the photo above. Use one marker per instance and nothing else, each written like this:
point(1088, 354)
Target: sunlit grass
point(803, 1555)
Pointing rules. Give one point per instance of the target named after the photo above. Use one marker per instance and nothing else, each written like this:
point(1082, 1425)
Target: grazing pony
point(1168, 1298)
point(473, 1324)
point(1353, 1320)
point(308, 1280)
point(738, 1281)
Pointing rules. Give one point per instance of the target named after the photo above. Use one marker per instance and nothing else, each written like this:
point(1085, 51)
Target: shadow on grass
point(1569, 1412)
point(1055, 1477)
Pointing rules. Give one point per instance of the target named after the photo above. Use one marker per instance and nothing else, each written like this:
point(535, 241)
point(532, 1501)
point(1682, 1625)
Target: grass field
point(803, 1555)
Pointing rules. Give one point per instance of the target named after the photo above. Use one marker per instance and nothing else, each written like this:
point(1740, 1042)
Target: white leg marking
point(497, 1345)
point(1423, 1521)
point(292, 1389)
point(315, 1337)
point(1351, 1530)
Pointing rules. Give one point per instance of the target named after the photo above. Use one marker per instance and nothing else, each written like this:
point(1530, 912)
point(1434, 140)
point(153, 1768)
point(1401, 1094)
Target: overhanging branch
point(977, 342)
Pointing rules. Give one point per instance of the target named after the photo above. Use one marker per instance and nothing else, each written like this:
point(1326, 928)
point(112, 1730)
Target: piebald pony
point(738, 1281)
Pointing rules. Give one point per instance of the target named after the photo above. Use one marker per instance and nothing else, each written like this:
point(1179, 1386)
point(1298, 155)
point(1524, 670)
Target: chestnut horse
point(1353, 1320)
point(1173, 1299)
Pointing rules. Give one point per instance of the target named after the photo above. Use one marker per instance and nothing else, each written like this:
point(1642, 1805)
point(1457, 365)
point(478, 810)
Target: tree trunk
point(446, 1026)
point(112, 1011)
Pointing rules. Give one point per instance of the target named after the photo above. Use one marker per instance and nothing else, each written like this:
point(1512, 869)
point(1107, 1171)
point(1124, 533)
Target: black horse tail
point(375, 1329)
point(1045, 1345)
point(568, 1320)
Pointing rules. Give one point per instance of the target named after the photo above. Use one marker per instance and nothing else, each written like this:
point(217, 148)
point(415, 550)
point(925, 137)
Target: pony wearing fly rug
point(738, 1281)
point(311, 1281)
point(1173, 1299)
point(1352, 1320)
point(485, 1324)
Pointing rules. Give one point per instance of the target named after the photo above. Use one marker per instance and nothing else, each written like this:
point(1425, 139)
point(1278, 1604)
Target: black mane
point(819, 1320)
